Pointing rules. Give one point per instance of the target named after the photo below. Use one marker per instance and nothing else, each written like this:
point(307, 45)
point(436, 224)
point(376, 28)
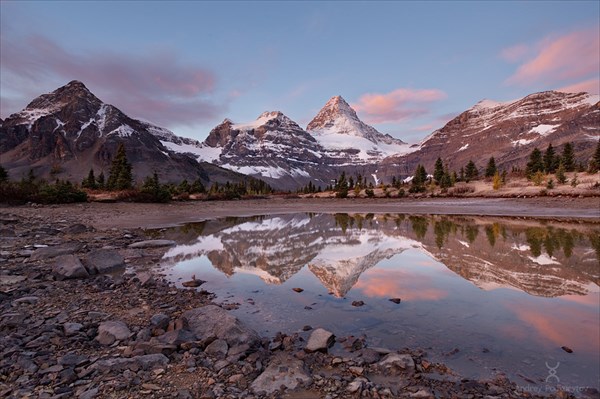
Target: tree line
point(120, 178)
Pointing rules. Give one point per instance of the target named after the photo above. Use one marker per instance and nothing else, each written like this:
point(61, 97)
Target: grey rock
point(153, 244)
point(103, 261)
point(176, 337)
point(76, 229)
point(89, 394)
point(402, 361)
point(319, 340)
point(57, 250)
point(111, 331)
point(369, 355)
point(145, 362)
point(69, 266)
point(284, 370)
point(145, 278)
point(218, 348)
point(214, 321)
point(356, 385)
point(72, 328)
point(160, 321)
point(26, 299)
point(72, 359)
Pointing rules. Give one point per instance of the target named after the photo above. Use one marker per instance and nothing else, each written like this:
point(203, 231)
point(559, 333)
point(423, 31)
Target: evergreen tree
point(90, 180)
point(120, 177)
point(550, 160)
point(491, 169)
point(153, 191)
point(461, 174)
point(595, 161)
point(446, 180)
point(419, 179)
point(471, 172)
point(100, 181)
point(535, 164)
point(184, 186)
point(3, 175)
point(560, 173)
point(197, 187)
point(568, 158)
point(438, 171)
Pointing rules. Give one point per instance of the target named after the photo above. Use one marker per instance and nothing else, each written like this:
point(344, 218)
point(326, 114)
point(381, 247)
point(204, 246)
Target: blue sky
point(406, 67)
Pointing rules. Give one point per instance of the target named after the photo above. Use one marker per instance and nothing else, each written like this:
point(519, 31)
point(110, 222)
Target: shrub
point(369, 192)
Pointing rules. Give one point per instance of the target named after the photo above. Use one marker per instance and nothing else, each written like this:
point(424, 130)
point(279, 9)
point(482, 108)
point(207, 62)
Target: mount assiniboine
point(70, 130)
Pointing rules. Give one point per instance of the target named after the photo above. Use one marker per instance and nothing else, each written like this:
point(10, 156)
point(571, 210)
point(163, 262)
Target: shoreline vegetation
point(84, 313)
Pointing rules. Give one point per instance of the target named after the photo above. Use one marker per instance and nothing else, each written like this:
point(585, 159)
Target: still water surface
point(482, 295)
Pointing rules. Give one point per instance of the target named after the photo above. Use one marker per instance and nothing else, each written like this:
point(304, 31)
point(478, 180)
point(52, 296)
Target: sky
point(407, 68)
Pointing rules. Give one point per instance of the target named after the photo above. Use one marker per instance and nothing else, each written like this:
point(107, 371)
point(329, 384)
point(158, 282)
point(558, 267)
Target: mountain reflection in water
point(508, 293)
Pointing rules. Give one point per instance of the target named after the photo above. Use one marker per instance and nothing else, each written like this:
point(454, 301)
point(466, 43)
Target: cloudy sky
point(406, 67)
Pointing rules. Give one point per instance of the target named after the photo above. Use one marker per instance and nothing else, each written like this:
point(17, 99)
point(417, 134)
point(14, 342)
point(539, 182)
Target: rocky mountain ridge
point(65, 133)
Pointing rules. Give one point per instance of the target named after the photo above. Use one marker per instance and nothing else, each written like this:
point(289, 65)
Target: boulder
point(153, 244)
point(218, 348)
point(69, 266)
point(214, 321)
point(103, 261)
point(402, 361)
point(57, 250)
point(284, 371)
point(111, 331)
point(320, 340)
point(144, 362)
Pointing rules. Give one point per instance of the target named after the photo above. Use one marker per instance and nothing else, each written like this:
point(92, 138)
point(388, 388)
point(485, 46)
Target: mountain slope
point(508, 131)
point(67, 132)
point(341, 133)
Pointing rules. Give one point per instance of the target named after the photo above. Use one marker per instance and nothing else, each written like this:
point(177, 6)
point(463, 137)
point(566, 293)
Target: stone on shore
point(153, 244)
point(69, 266)
point(402, 361)
point(284, 370)
point(111, 331)
point(320, 340)
point(57, 250)
point(214, 321)
point(145, 362)
point(103, 261)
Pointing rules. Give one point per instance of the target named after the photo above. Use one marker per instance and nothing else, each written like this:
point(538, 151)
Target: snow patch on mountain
point(544, 130)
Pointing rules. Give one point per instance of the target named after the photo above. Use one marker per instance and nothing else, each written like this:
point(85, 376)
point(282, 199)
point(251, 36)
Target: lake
point(482, 295)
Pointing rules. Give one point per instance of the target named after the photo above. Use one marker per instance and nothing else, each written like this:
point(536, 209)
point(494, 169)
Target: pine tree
point(438, 171)
point(471, 172)
point(419, 179)
point(120, 177)
point(550, 159)
point(490, 169)
point(461, 174)
point(560, 173)
point(535, 164)
point(100, 181)
point(90, 180)
point(3, 175)
point(567, 158)
point(197, 187)
point(595, 161)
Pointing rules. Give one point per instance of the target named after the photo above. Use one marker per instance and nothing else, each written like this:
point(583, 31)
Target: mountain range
point(68, 131)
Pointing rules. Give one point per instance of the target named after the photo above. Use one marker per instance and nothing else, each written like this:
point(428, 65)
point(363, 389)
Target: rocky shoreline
point(83, 315)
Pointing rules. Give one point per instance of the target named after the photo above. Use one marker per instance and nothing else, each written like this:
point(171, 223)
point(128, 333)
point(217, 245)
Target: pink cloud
point(572, 56)
point(590, 86)
point(398, 105)
point(157, 87)
point(515, 53)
